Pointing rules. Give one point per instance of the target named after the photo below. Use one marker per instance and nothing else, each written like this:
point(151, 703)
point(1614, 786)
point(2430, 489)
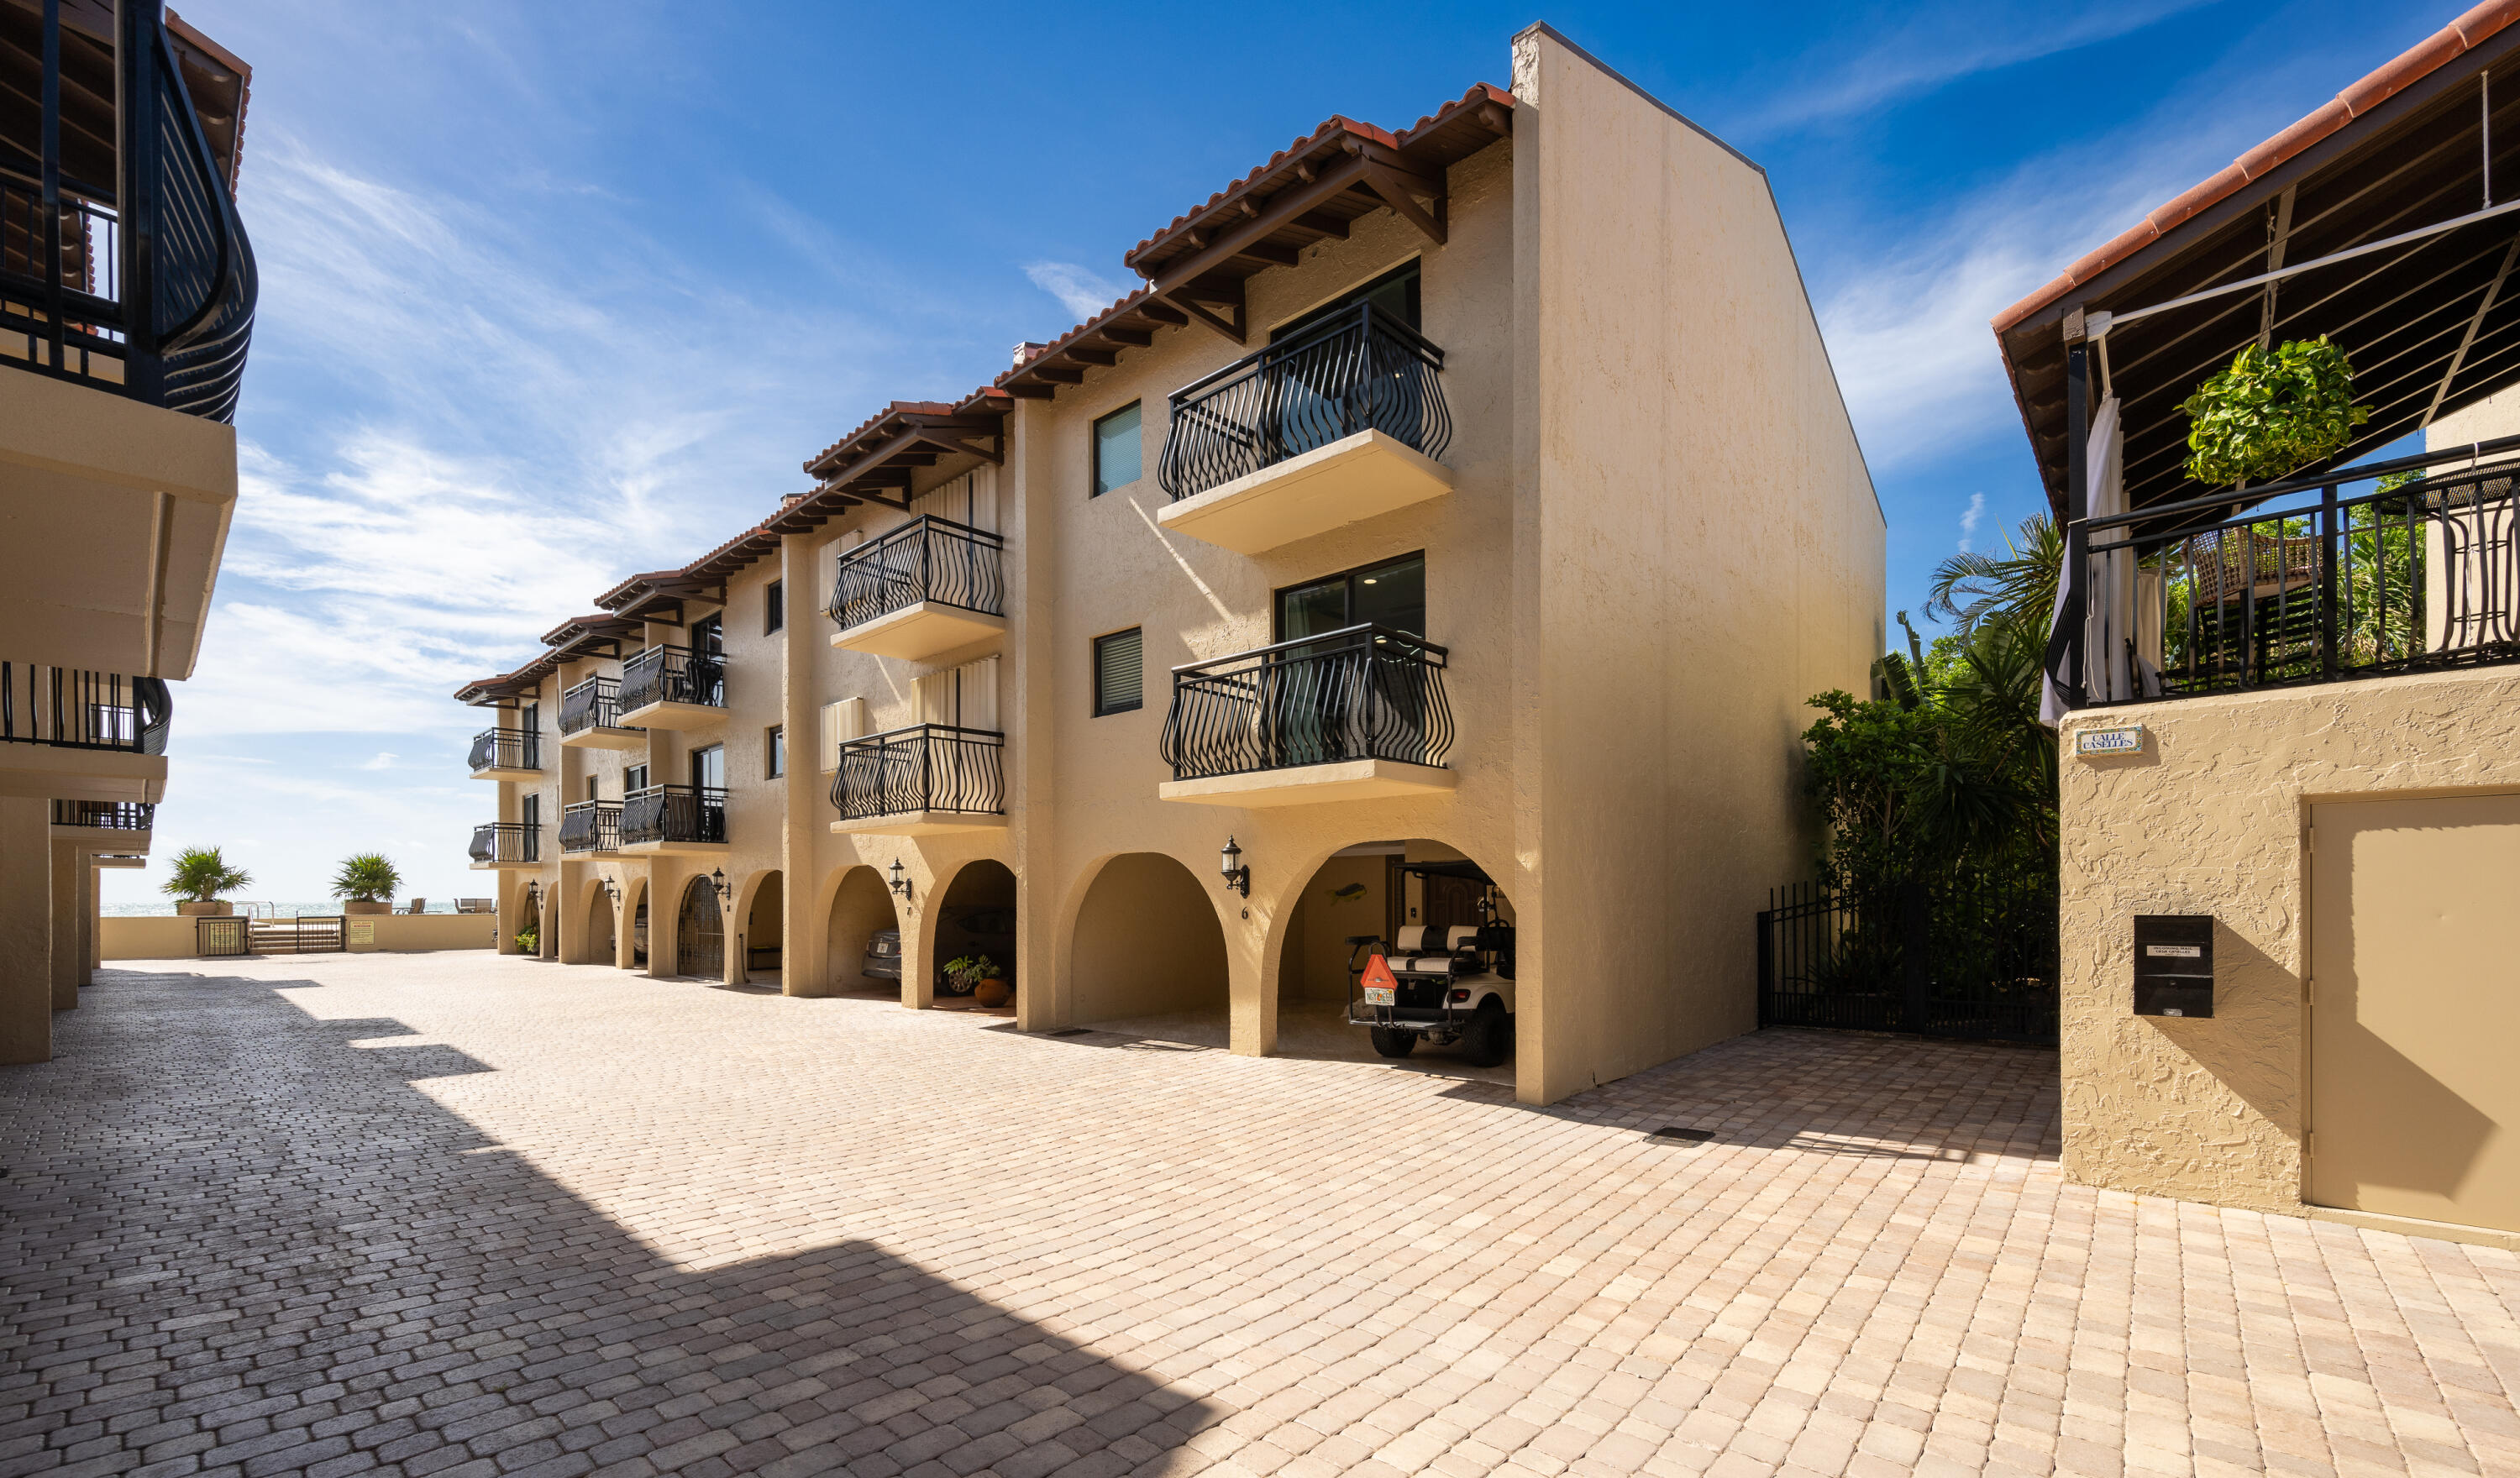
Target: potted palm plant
point(197, 878)
point(366, 884)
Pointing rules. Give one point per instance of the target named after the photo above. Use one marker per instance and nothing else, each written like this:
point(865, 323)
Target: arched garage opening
point(1443, 926)
point(863, 938)
point(598, 932)
point(976, 923)
point(1147, 955)
point(762, 956)
point(699, 942)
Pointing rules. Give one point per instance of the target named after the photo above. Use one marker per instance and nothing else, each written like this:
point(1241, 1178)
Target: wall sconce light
point(533, 897)
point(1236, 875)
point(612, 890)
point(717, 881)
point(900, 884)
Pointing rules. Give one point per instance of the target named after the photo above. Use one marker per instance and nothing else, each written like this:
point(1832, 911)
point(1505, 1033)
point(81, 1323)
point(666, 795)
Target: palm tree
point(200, 874)
point(367, 877)
point(2020, 585)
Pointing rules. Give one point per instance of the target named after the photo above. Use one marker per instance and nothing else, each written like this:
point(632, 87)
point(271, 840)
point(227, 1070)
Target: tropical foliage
point(200, 874)
point(367, 877)
point(2020, 584)
point(2271, 413)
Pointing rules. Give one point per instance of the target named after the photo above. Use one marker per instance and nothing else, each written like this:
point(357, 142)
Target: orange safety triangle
point(1377, 975)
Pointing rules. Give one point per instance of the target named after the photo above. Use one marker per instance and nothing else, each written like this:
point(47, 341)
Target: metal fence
point(2311, 586)
point(595, 703)
point(591, 825)
point(925, 767)
point(1943, 959)
point(674, 813)
point(106, 815)
point(69, 708)
point(507, 750)
point(928, 558)
point(671, 675)
point(1361, 693)
point(1358, 369)
point(507, 841)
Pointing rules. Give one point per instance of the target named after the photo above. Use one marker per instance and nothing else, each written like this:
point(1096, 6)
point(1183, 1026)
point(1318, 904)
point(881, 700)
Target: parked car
point(883, 956)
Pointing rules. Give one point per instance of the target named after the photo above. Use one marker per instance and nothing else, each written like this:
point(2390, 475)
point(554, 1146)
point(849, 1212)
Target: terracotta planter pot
point(994, 991)
point(355, 906)
point(216, 908)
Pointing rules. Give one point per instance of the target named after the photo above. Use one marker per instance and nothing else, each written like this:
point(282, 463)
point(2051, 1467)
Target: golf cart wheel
point(1390, 1042)
point(1489, 1038)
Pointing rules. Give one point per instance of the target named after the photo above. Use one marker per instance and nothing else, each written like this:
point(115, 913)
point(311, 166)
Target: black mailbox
point(2173, 964)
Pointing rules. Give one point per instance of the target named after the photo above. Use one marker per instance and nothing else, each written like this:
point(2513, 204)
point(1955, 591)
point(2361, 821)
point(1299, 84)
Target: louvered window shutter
point(1119, 672)
point(978, 682)
point(843, 719)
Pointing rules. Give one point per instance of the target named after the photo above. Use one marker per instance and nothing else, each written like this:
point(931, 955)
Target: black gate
point(699, 948)
point(1943, 959)
point(222, 934)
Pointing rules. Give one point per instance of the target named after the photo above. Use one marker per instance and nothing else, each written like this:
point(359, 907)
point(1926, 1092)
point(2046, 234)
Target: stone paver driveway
point(461, 1215)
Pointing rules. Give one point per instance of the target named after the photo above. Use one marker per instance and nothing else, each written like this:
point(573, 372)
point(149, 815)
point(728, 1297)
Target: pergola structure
point(2374, 221)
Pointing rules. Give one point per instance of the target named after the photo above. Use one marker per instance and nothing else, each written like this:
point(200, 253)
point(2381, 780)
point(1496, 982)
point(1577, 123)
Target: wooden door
point(2415, 1004)
point(701, 949)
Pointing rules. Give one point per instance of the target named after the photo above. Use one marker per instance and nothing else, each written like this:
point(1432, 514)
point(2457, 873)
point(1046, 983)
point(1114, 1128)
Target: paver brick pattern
point(464, 1215)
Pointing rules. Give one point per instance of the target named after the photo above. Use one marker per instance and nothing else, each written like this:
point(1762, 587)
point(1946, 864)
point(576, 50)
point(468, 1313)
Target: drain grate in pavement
point(1673, 1134)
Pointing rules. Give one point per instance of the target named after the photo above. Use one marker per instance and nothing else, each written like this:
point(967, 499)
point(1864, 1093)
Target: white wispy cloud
point(1969, 517)
point(1082, 292)
point(1934, 46)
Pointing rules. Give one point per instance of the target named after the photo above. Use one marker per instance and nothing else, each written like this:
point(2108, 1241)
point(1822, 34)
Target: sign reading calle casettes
point(2128, 740)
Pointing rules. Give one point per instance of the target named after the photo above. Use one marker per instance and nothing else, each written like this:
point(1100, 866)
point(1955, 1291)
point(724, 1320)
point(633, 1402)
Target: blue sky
point(557, 292)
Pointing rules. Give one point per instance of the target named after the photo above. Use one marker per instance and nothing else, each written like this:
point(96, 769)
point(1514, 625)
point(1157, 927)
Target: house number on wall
point(2110, 740)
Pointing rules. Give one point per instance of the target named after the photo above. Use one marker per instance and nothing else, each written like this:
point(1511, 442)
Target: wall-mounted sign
point(362, 931)
point(2127, 740)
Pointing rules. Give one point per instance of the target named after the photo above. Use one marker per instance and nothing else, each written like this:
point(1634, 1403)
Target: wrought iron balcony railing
point(595, 703)
point(673, 813)
point(1359, 369)
point(1361, 693)
point(928, 558)
point(671, 675)
point(507, 750)
point(507, 841)
point(106, 815)
point(67, 708)
point(2311, 586)
point(591, 825)
point(125, 268)
point(925, 767)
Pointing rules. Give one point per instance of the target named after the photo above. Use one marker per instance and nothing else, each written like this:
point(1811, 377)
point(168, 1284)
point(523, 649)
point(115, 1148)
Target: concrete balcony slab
point(665, 714)
point(920, 823)
point(1348, 481)
point(920, 631)
point(1310, 784)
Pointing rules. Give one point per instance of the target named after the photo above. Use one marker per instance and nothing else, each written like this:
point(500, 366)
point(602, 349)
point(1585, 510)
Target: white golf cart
point(1456, 988)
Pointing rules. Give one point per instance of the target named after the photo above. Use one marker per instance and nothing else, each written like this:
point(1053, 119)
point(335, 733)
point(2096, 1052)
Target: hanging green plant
point(2272, 414)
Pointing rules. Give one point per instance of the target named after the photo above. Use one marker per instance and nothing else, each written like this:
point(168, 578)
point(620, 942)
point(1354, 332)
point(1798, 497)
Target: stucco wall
point(157, 936)
point(1698, 551)
point(1146, 942)
point(2213, 819)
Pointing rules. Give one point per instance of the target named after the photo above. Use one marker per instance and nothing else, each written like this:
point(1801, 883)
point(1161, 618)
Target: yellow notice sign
point(362, 931)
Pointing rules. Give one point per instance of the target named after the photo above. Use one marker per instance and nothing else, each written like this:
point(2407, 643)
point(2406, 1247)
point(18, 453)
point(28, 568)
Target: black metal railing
point(672, 675)
point(106, 815)
point(1359, 369)
point(928, 558)
point(925, 767)
point(507, 750)
point(591, 825)
point(673, 813)
point(2419, 571)
point(1949, 958)
point(143, 283)
point(69, 708)
point(595, 703)
point(1361, 693)
point(507, 841)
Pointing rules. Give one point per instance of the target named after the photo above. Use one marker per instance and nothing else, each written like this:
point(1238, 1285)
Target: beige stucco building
point(126, 298)
point(2294, 730)
point(1473, 491)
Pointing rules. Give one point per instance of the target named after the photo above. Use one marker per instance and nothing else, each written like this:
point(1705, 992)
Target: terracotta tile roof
point(1327, 135)
point(2409, 67)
